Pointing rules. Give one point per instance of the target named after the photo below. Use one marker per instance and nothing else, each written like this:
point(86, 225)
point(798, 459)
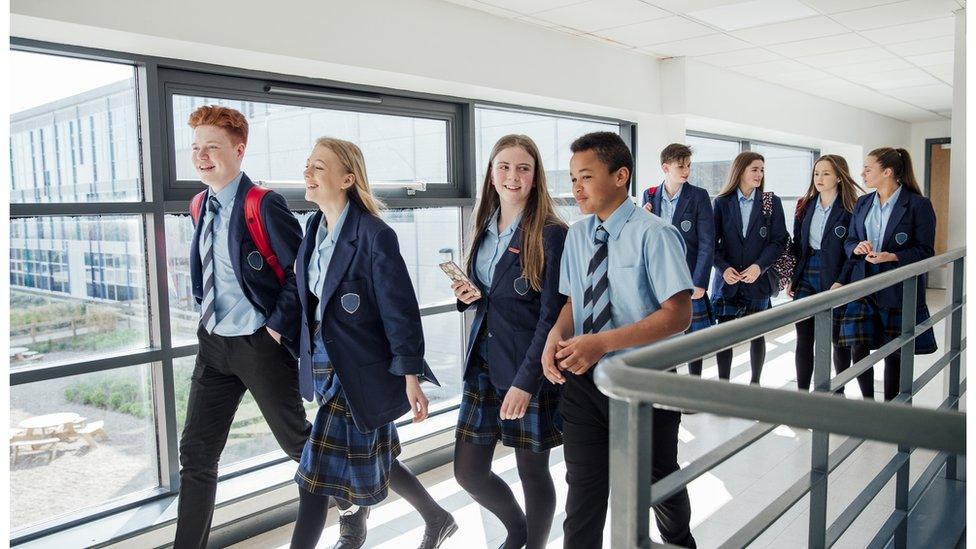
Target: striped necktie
point(207, 318)
point(596, 299)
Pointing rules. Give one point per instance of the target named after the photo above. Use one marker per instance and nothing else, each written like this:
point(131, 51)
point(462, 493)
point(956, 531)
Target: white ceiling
point(890, 57)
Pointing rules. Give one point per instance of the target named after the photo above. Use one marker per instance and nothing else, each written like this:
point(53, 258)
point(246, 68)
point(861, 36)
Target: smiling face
point(752, 177)
point(825, 177)
point(326, 180)
point(597, 190)
point(216, 158)
point(512, 175)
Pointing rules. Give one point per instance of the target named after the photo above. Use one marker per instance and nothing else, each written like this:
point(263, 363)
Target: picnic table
point(62, 425)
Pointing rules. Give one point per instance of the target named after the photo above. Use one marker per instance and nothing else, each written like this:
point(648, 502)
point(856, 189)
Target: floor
point(722, 500)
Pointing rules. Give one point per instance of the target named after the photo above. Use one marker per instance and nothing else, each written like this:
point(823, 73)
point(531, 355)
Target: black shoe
point(436, 534)
point(352, 529)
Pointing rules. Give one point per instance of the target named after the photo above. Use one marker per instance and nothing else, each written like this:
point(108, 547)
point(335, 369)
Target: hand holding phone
point(464, 289)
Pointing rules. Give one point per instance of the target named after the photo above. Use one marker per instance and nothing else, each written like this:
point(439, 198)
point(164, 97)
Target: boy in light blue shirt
point(628, 284)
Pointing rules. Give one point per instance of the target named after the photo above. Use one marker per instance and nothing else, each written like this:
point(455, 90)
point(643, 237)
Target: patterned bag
point(782, 269)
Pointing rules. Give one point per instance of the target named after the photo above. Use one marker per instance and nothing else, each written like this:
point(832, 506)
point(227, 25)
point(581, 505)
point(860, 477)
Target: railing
point(638, 380)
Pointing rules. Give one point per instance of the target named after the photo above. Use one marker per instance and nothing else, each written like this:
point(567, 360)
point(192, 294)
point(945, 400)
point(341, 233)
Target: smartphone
point(456, 274)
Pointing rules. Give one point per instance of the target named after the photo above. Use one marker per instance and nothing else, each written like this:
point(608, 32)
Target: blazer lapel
point(681, 206)
point(342, 256)
point(304, 254)
point(508, 258)
point(236, 228)
point(835, 212)
point(734, 213)
point(196, 264)
point(756, 210)
point(897, 212)
point(656, 200)
point(804, 236)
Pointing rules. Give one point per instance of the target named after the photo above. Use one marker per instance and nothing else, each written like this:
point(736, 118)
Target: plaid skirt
point(864, 322)
point(540, 429)
point(701, 314)
point(340, 461)
point(810, 284)
point(731, 308)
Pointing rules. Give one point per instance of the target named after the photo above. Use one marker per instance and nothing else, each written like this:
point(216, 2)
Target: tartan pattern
point(701, 314)
point(864, 322)
point(810, 283)
point(479, 423)
point(731, 308)
point(340, 461)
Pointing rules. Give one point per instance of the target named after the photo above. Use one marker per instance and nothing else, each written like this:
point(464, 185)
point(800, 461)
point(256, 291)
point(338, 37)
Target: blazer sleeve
point(285, 234)
point(646, 197)
point(397, 302)
point(797, 237)
point(529, 374)
point(721, 262)
point(851, 241)
point(706, 242)
point(778, 237)
point(923, 230)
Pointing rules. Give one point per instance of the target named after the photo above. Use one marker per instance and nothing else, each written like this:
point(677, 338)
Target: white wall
point(920, 132)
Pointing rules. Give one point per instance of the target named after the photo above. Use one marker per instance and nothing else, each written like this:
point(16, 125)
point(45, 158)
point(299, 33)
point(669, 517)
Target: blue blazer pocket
point(351, 302)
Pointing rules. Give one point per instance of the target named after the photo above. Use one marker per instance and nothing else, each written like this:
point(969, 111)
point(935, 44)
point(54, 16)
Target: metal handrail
point(638, 378)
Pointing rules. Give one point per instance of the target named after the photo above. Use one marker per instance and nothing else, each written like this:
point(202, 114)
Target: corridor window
point(711, 161)
point(788, 172)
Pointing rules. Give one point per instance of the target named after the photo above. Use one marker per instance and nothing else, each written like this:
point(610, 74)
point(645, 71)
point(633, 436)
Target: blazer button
point(489, 335)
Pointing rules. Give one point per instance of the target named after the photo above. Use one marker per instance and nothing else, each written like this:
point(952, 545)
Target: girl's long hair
point(353, 162)
point(849, 189)
point(739, 166)
point(900, 163)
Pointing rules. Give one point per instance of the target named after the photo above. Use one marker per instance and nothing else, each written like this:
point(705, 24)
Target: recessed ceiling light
point(752, 14)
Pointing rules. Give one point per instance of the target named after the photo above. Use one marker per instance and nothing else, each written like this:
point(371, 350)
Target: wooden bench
point(91, 431)
point(34, 446)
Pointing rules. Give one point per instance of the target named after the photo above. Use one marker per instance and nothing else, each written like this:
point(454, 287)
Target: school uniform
point(512, 321)
point(691, 212)
point(360, 333)
point(240, 298)
point(904, 226)
point(745, 235)
point(819, 234)
point(639, 263)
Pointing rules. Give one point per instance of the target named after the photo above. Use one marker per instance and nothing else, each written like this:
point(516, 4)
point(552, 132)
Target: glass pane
point(79, 442)
point(787, 170)
point(428, 236)
point(551, 134)
point(711, 161)
point(444, 354)
point(249, 435)
point(398, 149)
point(77, 288)
point(73, 130)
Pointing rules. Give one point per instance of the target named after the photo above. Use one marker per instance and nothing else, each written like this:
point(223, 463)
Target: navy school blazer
point(910, 234)
point(694, 219)
point(370, 319)
point(764, 242)
point(276, 302)
point(519, 318)
point(834, 266)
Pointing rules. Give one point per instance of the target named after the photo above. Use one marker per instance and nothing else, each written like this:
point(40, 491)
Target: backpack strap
point(651, 193)
point(195, 205)
point(256, 228)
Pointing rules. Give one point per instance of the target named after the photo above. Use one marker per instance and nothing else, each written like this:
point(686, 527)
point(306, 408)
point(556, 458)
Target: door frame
point(928, 160)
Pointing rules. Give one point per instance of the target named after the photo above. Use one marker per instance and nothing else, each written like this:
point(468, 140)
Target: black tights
point(841, 356)
point(757, 356)
point(472, 469)
point(313, 509)
point(892, 371)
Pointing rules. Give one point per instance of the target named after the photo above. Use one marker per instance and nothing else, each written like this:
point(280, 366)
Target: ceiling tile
point(946, 73)
point(481, 6)
point(771, 67)
point(912, 31)
point(657, 31)
point(887, 80)
point(600, 14)
point(808, 80)
point(834, 6)
point(900, 13)
point(848, 57)
point(870, 67)
point(929, 45)
point(932, 97)
point(740, 57)
point(702, 45)
point(928, 59)
point(827, 44)
point(753, 13)
point(801, 29)
point(528, 7)
point(685, 6)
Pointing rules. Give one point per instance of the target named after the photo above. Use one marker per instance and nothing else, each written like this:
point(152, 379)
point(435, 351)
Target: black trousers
point(586, 438)
point(225, 368)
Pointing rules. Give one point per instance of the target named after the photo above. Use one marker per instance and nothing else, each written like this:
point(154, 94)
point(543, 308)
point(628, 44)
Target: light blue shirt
point(318, 268)
point(646, 264)
point(235, 315)
point(819, 222)
point(668, 205)
point(493, 246)
point(745, 208)
point(877, 220)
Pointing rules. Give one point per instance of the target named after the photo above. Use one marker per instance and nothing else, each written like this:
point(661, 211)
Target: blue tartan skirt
point(864, 322)
point(540, 429)
point(340, 461)
point(701, 314)
point(731, 308)
point(810, 284)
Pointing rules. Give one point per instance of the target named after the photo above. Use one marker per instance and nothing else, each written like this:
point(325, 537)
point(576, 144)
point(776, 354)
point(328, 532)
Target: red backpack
point(651, 193)
point(254, 222)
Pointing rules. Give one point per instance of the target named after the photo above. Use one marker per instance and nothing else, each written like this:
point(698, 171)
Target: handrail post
point(820, 451)
point(907, 375)
point(631, 438)
point(954, 340)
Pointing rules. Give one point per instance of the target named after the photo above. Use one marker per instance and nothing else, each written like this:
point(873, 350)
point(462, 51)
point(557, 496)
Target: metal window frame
point(156, 79)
